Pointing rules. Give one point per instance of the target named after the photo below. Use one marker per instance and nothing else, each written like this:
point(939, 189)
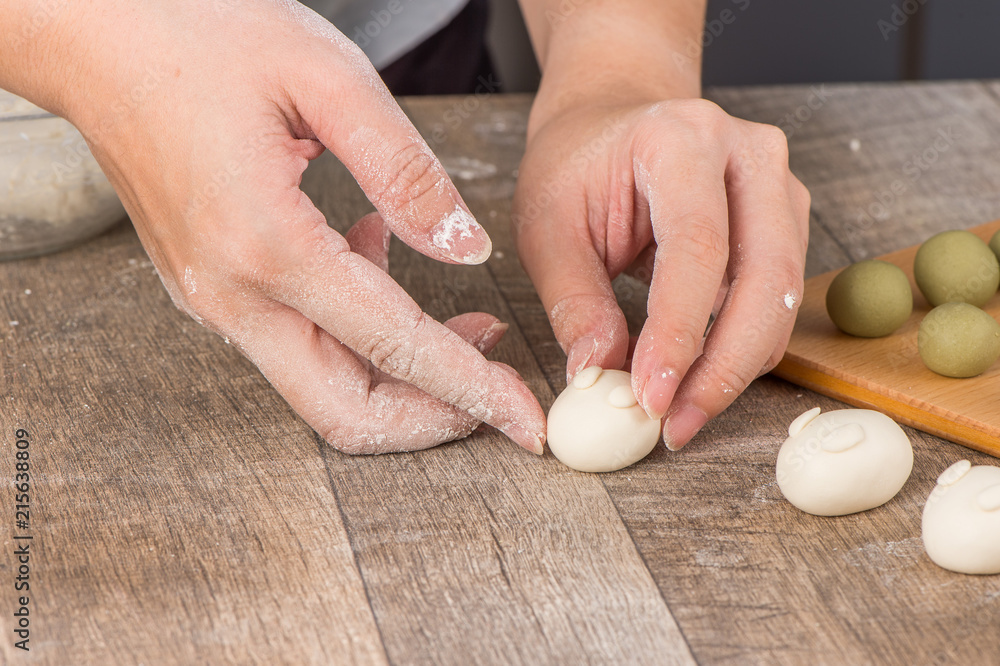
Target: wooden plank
point(475, 556)
point(180, 513)
point(887, 373)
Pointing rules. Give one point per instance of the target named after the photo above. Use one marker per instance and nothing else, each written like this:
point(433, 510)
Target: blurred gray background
point(752, 42)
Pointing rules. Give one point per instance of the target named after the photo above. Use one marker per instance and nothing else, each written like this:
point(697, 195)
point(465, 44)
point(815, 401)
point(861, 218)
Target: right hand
point(204, 116)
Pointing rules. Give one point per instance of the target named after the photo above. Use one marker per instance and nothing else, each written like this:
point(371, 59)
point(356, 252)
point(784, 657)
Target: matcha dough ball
point(869, 299)
point(956, 266)
point(995, 244)
point(958, 340)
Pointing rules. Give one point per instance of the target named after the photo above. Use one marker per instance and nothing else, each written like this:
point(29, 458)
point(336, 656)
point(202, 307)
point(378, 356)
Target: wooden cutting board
point(887, 374)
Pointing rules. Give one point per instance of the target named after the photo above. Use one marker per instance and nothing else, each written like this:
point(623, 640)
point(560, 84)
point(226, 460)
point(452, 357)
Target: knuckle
point(396, 353)
point(700, 121)
point(764, 153)
point(730, 372)
point(414, 175)
point(465, 398)
point(462, 396)
point(783, 275)
point(732, 383)
point(702, 113)
point(773, 140)
point(783, 301)
point(709, 246)
point(391, 355)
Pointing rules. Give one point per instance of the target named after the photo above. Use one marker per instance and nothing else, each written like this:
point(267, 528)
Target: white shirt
point(386, 29)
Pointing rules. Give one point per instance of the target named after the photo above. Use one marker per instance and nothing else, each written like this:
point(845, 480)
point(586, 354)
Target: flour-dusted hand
point(204, 116)
point(627, 170)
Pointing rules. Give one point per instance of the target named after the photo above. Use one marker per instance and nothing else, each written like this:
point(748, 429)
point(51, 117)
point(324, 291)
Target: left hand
point(699, 204)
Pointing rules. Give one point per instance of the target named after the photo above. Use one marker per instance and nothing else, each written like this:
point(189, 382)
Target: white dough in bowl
point(843, 461)
point(961, 522)
point(596, 425)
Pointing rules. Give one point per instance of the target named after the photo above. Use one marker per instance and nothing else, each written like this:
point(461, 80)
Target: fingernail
point(386, 239)
point(532, 441)
point(659, 392)
point(578, 357)
point(682, 425)
point(490, 337)
point(461, 239)
point(539, 444)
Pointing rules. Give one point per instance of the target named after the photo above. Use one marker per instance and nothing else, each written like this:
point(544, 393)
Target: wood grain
point(180, 512)
point(887, 373)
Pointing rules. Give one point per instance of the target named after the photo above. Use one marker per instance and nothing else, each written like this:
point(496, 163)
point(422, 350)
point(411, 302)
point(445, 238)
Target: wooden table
point(181, 513)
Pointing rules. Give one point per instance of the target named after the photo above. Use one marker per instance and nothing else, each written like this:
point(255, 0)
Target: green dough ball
point(956, 266)
point(958, 340)
point(995, 244)
point(869, 299)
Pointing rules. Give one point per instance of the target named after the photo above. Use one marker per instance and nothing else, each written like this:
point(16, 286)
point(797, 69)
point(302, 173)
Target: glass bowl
point(53, 195)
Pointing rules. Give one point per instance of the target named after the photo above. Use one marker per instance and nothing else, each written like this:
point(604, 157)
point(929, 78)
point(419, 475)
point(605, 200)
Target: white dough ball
point(843, 461)
point(596, 425)
point(961, 522)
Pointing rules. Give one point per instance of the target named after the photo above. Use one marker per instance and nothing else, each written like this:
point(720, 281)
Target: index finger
point(349, 109)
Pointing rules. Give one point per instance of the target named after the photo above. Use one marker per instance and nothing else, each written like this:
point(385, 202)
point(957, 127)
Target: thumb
point(353, 114)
